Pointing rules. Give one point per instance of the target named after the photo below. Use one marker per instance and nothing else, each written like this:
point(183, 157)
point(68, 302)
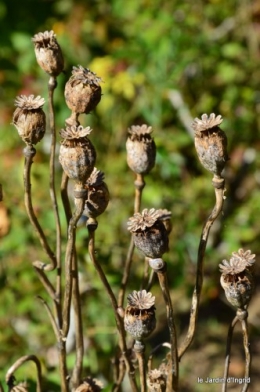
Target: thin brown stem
point(51, 87)
point(70, 251)
point(139, 351)
point(77, 370)
point(19, 363)
point(139, 186)
point(29, 153)
point(120, 327)
point(246, 343)
point(173, 376)
point(219, 185)
point(228, 352)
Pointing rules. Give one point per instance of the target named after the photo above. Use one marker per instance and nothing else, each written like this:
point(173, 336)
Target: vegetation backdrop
point(162, 63)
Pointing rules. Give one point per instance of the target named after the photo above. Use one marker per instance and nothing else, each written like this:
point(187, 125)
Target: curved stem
point(69, 273)
point(120, 327)
point(139, 186)
point(29, 152)
point(173, 376)
point(219, 185)
point(19, 363)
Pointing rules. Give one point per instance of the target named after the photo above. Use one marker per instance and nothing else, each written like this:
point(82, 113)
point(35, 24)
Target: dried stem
point(139, 349)
point(92, 225)
point(139, 186)
point(246, 343)
point(172, 379)
point(29, 153)
point(61, 348)
point(77, 370)
point(70, 251)
point(19, 363)
point(228, 351)
point(51, 87)
point(219, 185)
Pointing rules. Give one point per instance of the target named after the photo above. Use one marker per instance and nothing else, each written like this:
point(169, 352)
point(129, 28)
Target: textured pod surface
point(30, 125)
point(153, 242)
point(83, 90)
point(139, 323)
point(156, 380)
point(78, 161)
point(211, 147)
point(97, 201)
point(82, 98)
point(210, 142)
point(98, 194)
point(238, 289)
point(140, 155)
point(139, 320)
point(48, 53)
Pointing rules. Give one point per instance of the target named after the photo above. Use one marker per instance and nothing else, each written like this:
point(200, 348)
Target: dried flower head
point(48, 53)
point(84, 76)
point(77, 153)
point(98, 194)
point(82, 91)
point(149, 233)
point(141, 149)
point(29, 118)
point(141, 221)
point(29, 102)
point(75, 133)
point(239, 261)
point(141, 299)
point(210, 143)
point(232, 267)
point(139, 132)
point(139, 319)
point(247, 257)
point(237, 278)
point(90, 385)
point(156, 380)
point(206, 122)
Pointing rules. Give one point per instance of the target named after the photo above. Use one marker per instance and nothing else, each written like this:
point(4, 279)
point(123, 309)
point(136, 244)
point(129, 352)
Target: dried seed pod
point(237, 278)
point(149, 233)
point(90, 385)
point(98, 194)
point(77, 153)
point(48, 53)
point(29, 118)
point(139, 320)
point(141, 149)
point(210, 143)
point(156, 380)
point(82, 91)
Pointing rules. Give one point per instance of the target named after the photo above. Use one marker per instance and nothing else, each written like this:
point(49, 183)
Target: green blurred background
point(162, 63)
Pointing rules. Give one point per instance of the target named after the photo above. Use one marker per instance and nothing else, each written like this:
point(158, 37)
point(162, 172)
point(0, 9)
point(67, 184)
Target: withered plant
point(149, 232)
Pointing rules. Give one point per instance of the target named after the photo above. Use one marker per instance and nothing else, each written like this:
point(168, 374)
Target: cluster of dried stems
point(149, 233)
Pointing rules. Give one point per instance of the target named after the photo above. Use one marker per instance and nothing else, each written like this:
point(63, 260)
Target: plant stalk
point(219, 185)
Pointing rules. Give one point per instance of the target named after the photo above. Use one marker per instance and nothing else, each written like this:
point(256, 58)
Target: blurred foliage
point(142, 50)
